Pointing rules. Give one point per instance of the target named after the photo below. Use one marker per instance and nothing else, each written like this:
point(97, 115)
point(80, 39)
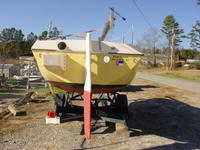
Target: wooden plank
point(6, 116)
point(121, 130)
point(23, 100)
point(12, 109)
point(37, 95)
point(16, 112)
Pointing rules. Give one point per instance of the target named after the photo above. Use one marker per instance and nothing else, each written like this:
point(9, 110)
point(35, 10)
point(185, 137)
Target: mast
point(109, 24)
point(50, 29)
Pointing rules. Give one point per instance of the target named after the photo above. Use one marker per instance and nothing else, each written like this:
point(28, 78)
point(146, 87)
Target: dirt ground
point(160, 117)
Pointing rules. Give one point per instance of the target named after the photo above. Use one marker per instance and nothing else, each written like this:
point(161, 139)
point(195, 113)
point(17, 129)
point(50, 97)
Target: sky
point(76, 16)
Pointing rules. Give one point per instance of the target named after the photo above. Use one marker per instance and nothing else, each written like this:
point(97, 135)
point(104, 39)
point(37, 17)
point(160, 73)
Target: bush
point(197, 65)
point(191, 66)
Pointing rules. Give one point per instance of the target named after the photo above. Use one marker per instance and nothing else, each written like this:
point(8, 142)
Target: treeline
point(188, 54)
point(13, 42)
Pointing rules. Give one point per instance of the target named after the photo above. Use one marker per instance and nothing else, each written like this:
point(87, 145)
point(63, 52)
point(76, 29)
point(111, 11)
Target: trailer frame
point(110, 107)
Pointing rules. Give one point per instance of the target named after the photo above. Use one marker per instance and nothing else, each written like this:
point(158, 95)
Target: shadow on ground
point(165, 117)
point(12, 91)
point(38, 100)
point(168, 118)
point(135, 88)
point(9, 96)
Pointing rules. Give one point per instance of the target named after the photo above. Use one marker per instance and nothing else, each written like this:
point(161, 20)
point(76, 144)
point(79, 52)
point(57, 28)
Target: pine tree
point(170, 24)
point(194, 36)
point(11, 34)
point(173, 34)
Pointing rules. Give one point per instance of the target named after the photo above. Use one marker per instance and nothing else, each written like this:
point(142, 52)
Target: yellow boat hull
point(109, 72)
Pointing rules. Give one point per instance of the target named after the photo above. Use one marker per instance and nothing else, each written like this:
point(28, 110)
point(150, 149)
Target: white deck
point(79, 46)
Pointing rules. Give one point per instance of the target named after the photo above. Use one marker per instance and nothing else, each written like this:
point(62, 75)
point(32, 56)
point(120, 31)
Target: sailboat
point(62, 62)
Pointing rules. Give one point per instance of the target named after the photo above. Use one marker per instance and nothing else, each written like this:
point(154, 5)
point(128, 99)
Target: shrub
point(197, 65)
point(191, 66)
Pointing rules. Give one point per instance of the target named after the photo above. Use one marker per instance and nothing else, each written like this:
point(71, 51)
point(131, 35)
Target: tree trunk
point(168, 54)
point(154, 56)
point(172, 62)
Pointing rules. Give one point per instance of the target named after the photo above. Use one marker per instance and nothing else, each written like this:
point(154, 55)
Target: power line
point(141, 12)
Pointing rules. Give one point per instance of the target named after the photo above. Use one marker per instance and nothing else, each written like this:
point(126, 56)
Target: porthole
point(62, 45)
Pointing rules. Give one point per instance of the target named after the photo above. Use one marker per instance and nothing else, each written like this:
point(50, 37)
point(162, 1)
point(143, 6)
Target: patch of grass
point(197, 66)
point(180, 76)
point(150, 68)
point(37, 87)
point(142, 67)
point(39, 90)
point(57, 90)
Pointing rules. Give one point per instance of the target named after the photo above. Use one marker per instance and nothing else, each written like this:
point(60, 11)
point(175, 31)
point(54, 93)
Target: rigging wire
point(120, 37)
point(141, 12)
point(127, 33)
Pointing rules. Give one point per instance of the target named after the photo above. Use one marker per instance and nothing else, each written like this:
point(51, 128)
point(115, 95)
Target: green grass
point(38, 90)
point(176, 75)
point(142, 67)
point(150, 68)
point(57, 90)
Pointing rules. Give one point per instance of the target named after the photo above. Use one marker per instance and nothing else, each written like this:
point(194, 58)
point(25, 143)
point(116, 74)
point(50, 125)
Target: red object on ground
point(87, 113)
point(51, 114)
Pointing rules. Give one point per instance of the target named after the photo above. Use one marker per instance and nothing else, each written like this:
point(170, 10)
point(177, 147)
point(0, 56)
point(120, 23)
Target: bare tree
point(151, 41)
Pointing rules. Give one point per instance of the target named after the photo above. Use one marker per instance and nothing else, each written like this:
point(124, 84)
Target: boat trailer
point(110, 107)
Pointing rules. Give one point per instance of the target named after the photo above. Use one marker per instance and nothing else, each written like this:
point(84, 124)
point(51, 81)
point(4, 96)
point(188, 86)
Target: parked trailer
point(110, 107)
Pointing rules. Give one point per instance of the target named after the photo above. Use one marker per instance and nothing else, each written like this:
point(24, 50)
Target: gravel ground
point(160, 117)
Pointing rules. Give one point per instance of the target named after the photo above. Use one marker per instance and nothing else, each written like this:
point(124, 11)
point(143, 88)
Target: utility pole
point(132, 33)
point(154, 53)
point(123, 38)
